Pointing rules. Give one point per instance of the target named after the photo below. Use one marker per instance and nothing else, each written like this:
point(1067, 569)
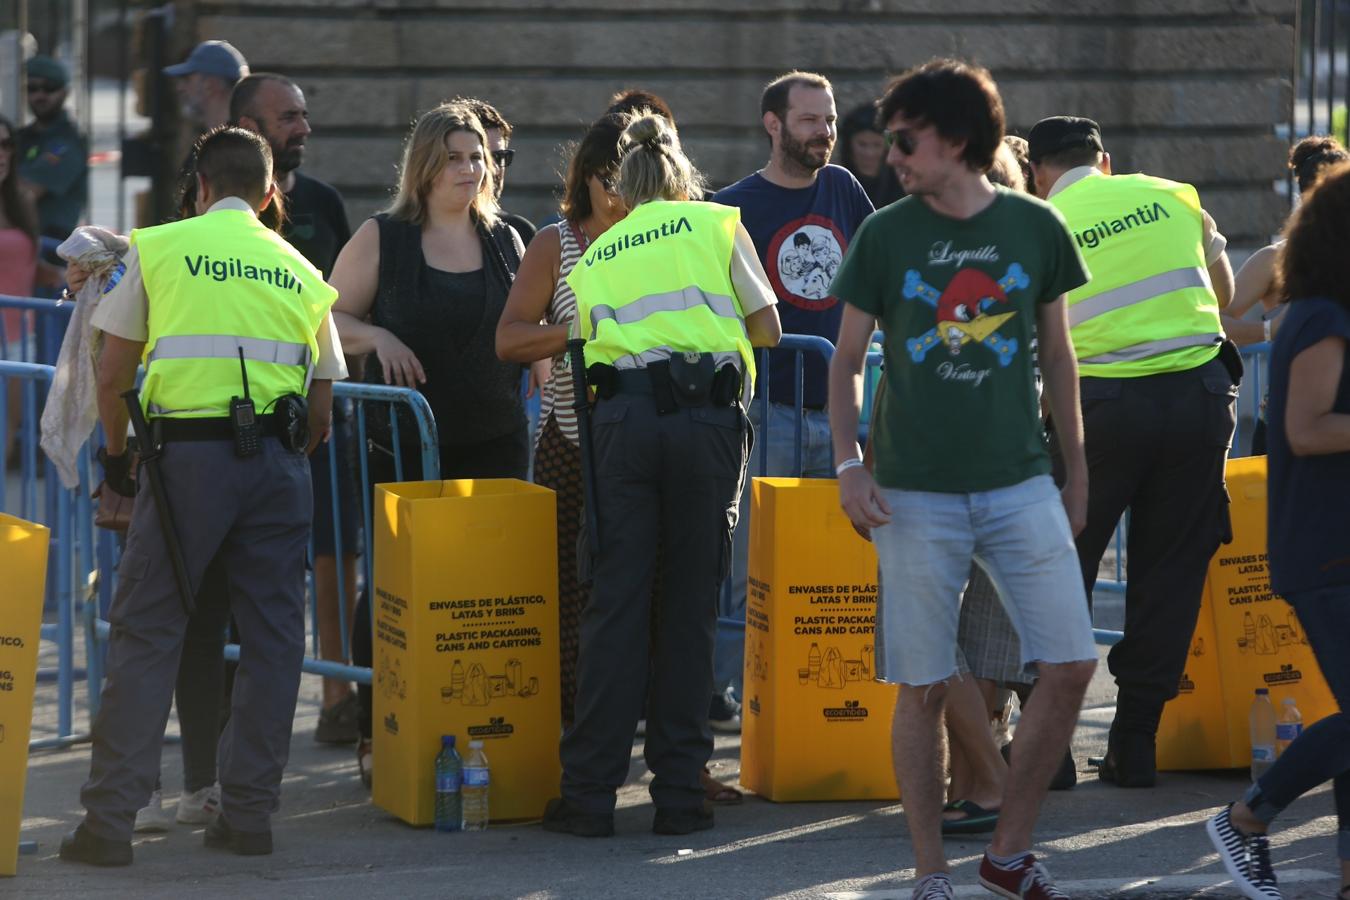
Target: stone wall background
point(1186, 89)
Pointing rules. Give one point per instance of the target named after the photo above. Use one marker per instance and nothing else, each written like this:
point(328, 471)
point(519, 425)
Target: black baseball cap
point(1062, 133)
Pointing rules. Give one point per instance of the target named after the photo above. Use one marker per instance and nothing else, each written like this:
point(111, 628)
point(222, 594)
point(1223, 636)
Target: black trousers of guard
point(668, 481)
point(1156, 445)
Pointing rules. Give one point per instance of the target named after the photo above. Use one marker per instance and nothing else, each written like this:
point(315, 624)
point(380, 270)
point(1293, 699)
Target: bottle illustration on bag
point(1248, 639)
point(473, 685)
point(457, 679)
point(813, 663)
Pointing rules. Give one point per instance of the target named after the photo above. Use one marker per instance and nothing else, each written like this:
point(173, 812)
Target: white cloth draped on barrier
point(72, 404)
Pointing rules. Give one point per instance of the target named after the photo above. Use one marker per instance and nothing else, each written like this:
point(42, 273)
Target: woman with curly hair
point(1309, 545)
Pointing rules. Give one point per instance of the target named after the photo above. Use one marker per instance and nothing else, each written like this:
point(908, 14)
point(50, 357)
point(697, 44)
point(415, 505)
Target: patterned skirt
point(557, 465)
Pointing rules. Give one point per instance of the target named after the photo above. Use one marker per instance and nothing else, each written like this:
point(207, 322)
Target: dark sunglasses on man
point(7, 144)
point(901, 140)
point(503, 157)
point(43, 87)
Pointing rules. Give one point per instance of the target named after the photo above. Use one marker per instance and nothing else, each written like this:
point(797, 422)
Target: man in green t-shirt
point(963, 276)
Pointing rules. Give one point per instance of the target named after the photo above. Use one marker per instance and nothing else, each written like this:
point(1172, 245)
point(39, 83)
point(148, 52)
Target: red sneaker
point(1029, 881)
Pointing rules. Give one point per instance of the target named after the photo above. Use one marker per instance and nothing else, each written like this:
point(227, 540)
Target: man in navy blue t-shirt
point(801, 213)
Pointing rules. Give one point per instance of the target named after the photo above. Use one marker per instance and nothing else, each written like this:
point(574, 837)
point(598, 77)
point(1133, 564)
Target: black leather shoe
point(1067, 776)
point(82, 846)
point(1130, 760)
point(563, 818)
point(1064, 779)
point(220, 836)
point(683, 820)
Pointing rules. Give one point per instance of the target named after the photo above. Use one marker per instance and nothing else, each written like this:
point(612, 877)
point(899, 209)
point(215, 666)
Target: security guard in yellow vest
point(1158, 389)
point(195, 294)
point(670, 301)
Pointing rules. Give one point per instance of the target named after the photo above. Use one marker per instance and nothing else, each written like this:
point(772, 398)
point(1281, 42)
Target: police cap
point(1059, 133)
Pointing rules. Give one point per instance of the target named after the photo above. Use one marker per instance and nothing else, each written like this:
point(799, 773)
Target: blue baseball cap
point(218, 58)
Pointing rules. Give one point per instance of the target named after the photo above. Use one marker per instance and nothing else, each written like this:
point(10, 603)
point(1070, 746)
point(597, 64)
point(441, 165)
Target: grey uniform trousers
point(665, 485)
point(252, 516)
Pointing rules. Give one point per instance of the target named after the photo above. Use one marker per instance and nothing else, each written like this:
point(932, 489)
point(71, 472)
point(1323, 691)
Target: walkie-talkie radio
point(244, 418)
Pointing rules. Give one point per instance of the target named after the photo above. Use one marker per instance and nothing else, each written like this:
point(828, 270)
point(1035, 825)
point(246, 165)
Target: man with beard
point(52, 155)
point(204, 81)
point(316, 225)
point(798, 200)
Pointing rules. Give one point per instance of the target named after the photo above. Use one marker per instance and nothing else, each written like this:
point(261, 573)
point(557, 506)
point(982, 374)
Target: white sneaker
point(199, 807)
point(153, 818)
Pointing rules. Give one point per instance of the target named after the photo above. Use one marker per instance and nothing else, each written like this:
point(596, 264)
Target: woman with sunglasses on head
point(18, 267)
point(421, 287)
point(534, 327)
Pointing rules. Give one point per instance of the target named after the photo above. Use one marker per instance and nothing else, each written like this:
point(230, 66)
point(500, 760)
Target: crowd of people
point(1065, 334)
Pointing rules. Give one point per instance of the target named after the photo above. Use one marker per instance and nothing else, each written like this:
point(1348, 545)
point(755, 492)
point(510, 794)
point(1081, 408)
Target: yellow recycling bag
point(816, 724)
point(23, 560)
point(466, 641)
point(1247, 638)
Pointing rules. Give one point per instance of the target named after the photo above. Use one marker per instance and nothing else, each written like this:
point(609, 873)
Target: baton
point(149, 464)
point(582, 407)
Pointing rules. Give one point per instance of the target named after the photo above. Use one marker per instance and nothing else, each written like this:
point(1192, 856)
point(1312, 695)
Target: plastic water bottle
point(1289, 727)
point(475, 788)
point(1263, 733)
point(449, 768)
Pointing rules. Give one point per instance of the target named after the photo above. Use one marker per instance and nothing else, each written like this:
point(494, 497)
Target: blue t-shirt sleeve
point(1328, 319)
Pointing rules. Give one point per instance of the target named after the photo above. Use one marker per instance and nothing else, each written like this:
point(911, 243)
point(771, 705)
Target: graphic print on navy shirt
point(801, 235)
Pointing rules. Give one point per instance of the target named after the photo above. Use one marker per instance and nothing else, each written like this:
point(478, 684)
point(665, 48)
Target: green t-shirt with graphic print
point(957, 300)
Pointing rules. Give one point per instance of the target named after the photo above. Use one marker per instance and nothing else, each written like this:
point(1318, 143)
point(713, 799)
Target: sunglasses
point(7, 144)
point(503, 157)
point(902, 140)
point(43, 87)
point(609, 181)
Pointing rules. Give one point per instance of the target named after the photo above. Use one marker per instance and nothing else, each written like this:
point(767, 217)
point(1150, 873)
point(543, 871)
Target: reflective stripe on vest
point(674, 301)
point(659, 283)
point(1137, 292)
point(1149, 307)
point(225, 346)
point(217, 283)
point(1153, 348)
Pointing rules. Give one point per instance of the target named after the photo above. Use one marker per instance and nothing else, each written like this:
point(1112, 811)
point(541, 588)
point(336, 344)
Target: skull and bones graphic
point(963, 312)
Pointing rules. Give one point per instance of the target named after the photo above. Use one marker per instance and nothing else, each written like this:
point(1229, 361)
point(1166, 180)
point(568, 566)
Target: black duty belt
point(211, 429)
point(722, 389)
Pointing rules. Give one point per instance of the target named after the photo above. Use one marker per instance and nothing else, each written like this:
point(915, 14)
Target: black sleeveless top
point(474, 396)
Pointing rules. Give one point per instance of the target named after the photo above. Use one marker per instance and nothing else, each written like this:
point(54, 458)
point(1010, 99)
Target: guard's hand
point(541, 372)
point(1075, 497)
point(76, 276)
point(401, 366)
point(117, 471)
point(861, 500)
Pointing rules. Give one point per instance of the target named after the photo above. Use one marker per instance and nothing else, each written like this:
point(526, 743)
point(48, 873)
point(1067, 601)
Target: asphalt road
point(1098, 840)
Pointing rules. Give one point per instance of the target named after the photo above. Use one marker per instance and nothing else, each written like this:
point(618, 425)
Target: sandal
point(365, 760)
point(975, 819)
point(718, 793)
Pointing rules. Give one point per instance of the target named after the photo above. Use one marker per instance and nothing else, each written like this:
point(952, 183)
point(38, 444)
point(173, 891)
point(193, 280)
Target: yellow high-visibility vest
point(219, 283)
point(659, 283)
point(1149, 307)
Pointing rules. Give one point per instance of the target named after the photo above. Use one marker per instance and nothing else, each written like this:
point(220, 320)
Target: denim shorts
point(1019, 535)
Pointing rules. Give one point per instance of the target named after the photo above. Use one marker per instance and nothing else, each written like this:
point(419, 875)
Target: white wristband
point(846, 465)
point(1265, 329)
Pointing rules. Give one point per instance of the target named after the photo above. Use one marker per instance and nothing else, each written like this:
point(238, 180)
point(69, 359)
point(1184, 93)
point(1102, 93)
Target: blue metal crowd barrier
point(68, 514)
point(82, 560)
point(428, 452)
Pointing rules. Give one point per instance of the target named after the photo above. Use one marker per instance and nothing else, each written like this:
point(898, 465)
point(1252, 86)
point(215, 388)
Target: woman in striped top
point(534, 328)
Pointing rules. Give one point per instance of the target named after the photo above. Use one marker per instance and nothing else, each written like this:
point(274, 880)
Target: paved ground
point(331, 843)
